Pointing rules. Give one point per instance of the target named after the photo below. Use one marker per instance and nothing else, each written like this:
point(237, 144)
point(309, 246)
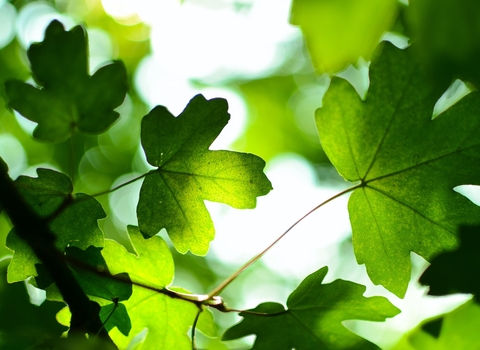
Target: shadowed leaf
point(76, 225)
point(67, 97)
point(457, 271)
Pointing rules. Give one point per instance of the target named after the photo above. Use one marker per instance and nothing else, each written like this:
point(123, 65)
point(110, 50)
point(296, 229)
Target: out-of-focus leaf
point(4, 167)
point(338, 32)
point(457, 330)
point(166, 319)
point(314, 317)
point(172, 196)
point(447, 37)
point(22, 324)
point(76, 342)
point(69, 98)
point(76, 225)
point(456, 271)
point(407, 163)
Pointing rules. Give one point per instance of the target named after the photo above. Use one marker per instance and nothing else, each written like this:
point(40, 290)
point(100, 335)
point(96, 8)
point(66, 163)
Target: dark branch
point(35, 231)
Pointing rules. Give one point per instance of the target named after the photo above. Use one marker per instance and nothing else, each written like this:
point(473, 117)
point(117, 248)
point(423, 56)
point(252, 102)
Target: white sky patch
point(472, 192)
point(124, 200)
point(12, 152)
point(212, 44)
point(8, 14)
point(455, 92)
point(241, 234)
point(34, 18)
point(119, 8)
point(237, 109)
point(100, 48)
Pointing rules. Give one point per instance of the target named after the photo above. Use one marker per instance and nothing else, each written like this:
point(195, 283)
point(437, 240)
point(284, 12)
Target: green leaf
point(456, 271)
point(407, 164)
point(4, 168)
point(188, 173)
point(46, 193)
point(23, 324)
point(69, 99)
point(166, 319)
point(116, 315)
point(86, 263)
point(76, 225)
point(338, 32)
point(457, 330)
point(113, 315)
point(314, 317)
point(437, 26)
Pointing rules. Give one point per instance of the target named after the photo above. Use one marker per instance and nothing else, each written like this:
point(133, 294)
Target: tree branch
point(37, 234)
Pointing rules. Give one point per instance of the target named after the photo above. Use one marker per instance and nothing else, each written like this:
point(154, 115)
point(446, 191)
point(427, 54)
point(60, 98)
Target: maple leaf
point(172, 196)
point(314, 317)
point(407, 163)
point(166, 319)
point(76, 225)
point(456, 271)
point(90, 270)
point(69, 98)
point(18, 331)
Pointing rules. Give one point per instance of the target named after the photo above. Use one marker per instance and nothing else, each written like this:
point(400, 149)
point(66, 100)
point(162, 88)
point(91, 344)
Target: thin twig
point(232, 277)
point(119, 186)
point(194, 326)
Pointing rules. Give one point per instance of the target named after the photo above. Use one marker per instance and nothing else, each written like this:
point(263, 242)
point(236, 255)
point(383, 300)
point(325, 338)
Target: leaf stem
point(232, 277)
point(119, 186)
point(194, 326)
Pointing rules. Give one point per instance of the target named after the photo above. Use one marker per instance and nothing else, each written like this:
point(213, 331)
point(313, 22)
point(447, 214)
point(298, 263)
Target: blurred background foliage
point(272, 60)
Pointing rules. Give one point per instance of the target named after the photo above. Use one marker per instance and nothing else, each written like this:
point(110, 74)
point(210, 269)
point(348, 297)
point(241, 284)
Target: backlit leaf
point(172, 196)
point(339, 32)
point(407, 163)
point(167, 320)
point(313, 319)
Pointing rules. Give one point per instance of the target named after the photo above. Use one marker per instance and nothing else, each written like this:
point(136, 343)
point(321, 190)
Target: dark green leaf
point(4, 167)
point(314, 317)
point(457, 271)
point(22, 324)
point(93, 275)
point(188, 173)
point(408, 165)
point(45, 193)
point(69, 98)
point(116, 315)
point(447, 36)
point(76, 225)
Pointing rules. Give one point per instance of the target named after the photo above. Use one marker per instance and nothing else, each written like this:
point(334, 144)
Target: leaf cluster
point(403, 164)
